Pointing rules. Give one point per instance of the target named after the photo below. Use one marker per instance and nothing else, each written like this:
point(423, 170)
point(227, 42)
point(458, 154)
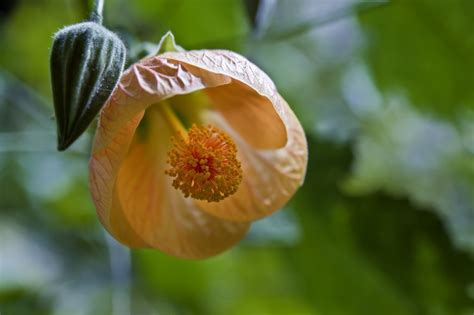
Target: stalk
point(96, 15)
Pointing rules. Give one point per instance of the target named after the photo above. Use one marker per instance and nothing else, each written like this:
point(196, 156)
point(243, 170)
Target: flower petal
point(270, 177)
point(103, 167)
point(159, 213)
point(250, 103)
point(134, 199)
point(143, 84)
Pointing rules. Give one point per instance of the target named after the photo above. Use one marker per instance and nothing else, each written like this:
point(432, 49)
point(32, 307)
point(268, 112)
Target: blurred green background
point(383, 225)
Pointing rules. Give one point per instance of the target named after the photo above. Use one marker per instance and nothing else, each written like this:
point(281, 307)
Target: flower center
point(204, 164)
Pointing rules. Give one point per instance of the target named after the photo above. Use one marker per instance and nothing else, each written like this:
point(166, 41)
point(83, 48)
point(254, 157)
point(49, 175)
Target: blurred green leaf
point(280, 229)
point(28, 36)
point(403, 153)
point(391, 257)
point(424, 48)
point(195, 24)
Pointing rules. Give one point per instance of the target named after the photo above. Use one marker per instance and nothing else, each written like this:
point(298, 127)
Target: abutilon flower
point(190, 148)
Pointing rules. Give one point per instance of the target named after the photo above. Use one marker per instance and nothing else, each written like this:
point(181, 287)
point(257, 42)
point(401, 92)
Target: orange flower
point(190, 148)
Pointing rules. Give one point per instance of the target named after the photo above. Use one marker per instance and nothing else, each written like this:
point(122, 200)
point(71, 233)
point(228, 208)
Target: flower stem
point(96, 15)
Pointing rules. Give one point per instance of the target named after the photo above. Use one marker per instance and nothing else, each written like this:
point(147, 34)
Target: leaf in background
point(252, 8)
point(424, 48)
point(280, 229)
point(195, 24)
point(308, 66)
point(26, 39)
point(406, 154)
point(24, 257)
point(21, 105)
point(390, 257)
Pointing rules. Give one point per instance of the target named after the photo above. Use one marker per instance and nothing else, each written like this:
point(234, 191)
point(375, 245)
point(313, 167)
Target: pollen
point(204, 164)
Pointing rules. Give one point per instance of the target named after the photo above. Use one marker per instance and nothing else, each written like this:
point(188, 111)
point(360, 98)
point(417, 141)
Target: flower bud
point(86, 63)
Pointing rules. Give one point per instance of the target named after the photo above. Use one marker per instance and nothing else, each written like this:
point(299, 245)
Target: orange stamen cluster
point(204, 165)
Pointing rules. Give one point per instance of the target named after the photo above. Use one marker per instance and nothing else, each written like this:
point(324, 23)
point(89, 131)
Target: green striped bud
point(86, 63)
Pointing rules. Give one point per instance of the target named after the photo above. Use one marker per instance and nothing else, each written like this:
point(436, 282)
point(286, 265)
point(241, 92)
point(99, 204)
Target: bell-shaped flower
point(191, 147)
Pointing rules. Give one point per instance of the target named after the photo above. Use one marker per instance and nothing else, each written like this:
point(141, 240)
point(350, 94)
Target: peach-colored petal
point(250, 103)
point(103, 167)
point(159, 213)
point(123, 174)
point(271, 177)
point(143, 84)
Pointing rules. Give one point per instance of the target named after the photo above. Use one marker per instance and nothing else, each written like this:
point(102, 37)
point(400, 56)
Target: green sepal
point(167, 44)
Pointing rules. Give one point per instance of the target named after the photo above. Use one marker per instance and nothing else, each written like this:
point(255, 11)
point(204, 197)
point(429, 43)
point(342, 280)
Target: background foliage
point(383, 225)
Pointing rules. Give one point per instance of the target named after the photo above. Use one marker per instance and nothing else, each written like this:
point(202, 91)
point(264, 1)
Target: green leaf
point(196, 24)
point(424, 48)
point(379, 254)
point(404, 153)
